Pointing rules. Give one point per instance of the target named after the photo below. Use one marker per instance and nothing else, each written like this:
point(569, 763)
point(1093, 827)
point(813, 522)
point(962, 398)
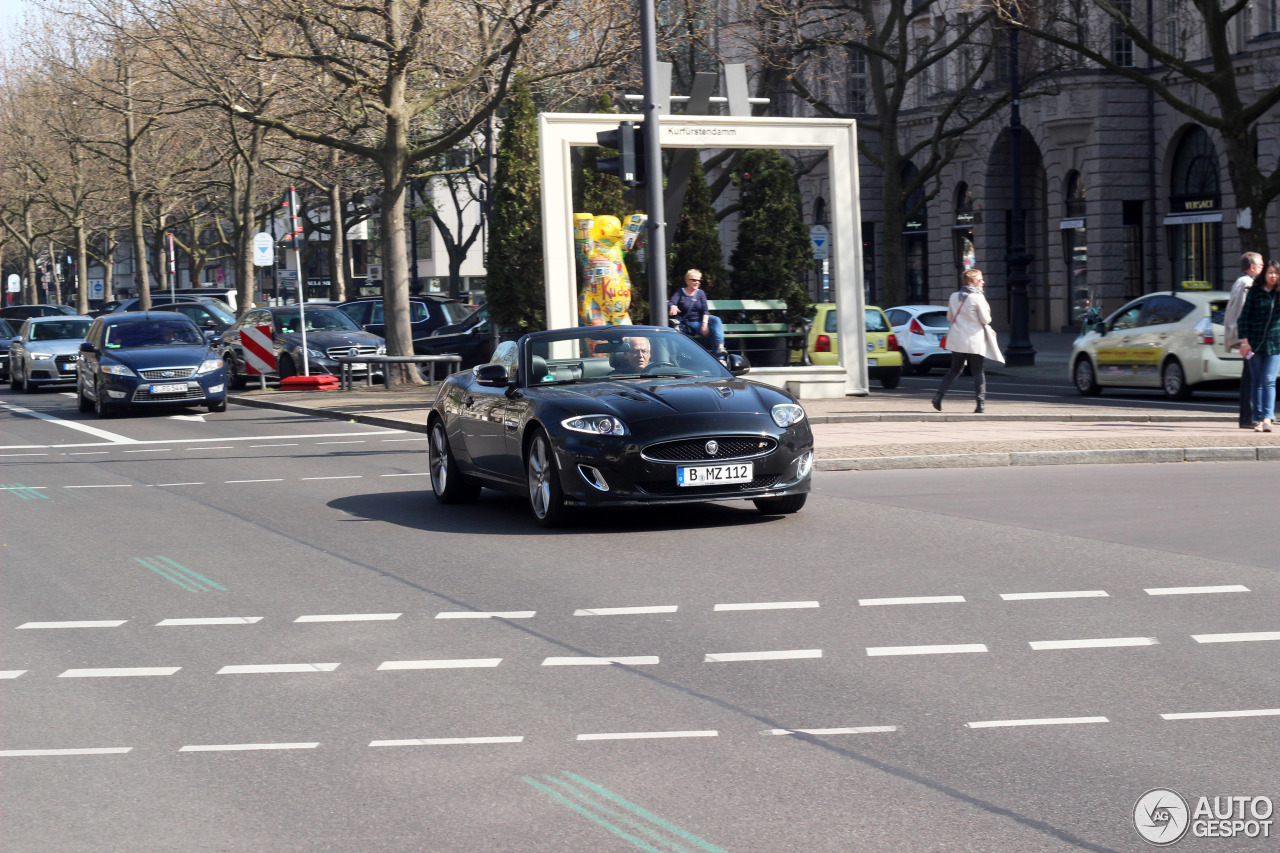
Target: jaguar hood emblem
point(712, 447)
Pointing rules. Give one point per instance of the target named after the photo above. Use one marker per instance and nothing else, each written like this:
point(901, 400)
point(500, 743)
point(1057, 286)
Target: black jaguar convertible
point(617, 415)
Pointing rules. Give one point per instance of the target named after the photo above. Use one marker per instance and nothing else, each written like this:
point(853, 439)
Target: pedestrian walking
point(1260, 343)
point(970, 339)
point(1251, 265)
point(689, 306)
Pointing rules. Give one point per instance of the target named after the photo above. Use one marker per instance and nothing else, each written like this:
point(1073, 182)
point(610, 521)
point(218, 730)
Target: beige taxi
point(1167, 340)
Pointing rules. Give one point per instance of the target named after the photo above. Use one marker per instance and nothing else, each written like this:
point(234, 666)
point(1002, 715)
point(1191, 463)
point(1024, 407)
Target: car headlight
point(786, 414)
point(315, 353)
point(595, 425)
point(209, 365)
point(117, 370)
point(382, 350)
point(41, 356)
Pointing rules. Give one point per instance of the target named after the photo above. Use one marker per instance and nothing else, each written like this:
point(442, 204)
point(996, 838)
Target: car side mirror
point(1100, 327)
point(88, 347)
point(492, 376)
point(737, 364)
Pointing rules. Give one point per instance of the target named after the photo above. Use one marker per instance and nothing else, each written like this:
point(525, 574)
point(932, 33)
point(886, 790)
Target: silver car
point(45, 352)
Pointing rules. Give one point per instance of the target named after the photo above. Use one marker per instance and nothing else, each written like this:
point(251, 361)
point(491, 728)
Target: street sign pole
point(656, 253)
point(302, 279)
point(173, 271)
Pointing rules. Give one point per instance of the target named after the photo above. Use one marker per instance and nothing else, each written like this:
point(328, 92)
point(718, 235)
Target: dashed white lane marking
point(447, 741)
point(103, 486)
point(215, 620)
point(1046, 721)
point(647, 735)
point(1251, 637)
point(847, 730)
point(414, 474)
point(294, 444)
point(487, 614)
point(11, 673)
point(167, 485)
point(238, 747)
point(959, 649)
point(1035, 596)
point(26, 454)
point(105, 623)
point(625, 611)
point(351, 617)
point(101, 750)
point(152, 450)
point(394, 440)
point(636, 660)
point(220, 447)
point(277, 667)
point(1100, 643)
point(120, 672)
point(919, 599)
point(339, 477)
point(89, 453)
point(1219, 715)
point(114, 439)
point(1195, 590)
point(361, 441)
point(789, 654)
point(457, 663)
point(766, 605)
point(272, 480)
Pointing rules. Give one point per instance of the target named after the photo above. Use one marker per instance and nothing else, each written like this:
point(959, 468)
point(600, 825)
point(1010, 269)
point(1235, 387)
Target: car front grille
point(669, 487)
point(66, 363)
point(695, 449)
point(144, 395)
point(166, 373)
point(347, 352)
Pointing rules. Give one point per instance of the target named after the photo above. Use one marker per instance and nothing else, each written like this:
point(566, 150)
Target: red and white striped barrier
point(259, 352)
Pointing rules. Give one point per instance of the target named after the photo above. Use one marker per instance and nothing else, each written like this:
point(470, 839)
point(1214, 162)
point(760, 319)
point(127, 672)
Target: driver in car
point(635, 359)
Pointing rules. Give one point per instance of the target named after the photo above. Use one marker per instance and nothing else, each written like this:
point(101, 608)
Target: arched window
point(1195, 166)
point(1074, 195)
point(1194, 222)
point(962, 247)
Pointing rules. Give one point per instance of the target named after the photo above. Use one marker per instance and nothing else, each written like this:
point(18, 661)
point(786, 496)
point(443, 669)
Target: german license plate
point(871, 362)
point(173, 388)
point(714, 475)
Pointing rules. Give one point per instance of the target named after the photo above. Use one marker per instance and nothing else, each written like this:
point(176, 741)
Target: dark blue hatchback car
point(153, 358)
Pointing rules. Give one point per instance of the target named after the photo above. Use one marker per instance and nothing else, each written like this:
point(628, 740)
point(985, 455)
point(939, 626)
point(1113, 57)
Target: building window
point(1073, 192)
point(859, 84)
point(1121, 44)
point(869, 290)
point(1194, 222)
point(1133, 250)
point(965, 254)
point(1270, 16)
point(1173, 28)
point(964, 57)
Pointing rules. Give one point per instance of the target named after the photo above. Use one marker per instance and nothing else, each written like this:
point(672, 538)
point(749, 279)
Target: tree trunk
point(337, 243)
point(141, 276)
point(82, 269)
point(395, 286)
point(893, 274)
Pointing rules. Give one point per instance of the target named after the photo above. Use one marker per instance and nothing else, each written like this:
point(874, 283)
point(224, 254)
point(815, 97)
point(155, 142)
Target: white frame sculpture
point(558, 133)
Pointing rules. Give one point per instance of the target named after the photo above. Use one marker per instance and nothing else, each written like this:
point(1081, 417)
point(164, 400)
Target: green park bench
point(758, 329)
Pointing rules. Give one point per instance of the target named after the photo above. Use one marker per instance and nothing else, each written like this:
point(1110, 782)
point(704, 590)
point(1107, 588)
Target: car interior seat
point(537, 369)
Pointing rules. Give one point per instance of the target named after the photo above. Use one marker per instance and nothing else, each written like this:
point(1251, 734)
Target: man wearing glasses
point(689, 306)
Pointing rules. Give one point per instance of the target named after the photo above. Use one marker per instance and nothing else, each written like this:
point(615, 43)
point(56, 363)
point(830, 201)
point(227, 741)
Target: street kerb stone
point(936, 460)
point(1098, 457)
point(1223, 454)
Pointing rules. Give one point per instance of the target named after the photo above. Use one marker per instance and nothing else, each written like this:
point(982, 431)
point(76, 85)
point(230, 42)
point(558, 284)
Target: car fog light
point(593, 477)
point(804, 465)
point(215, 389)
point(115, 395)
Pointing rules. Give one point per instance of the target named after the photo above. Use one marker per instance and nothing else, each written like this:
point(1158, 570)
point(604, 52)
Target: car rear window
point(876, 321)
point(1218, 312)
point(934, 320)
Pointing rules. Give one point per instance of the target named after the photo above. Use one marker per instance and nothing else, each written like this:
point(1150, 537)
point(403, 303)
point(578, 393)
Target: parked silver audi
point(45, 352)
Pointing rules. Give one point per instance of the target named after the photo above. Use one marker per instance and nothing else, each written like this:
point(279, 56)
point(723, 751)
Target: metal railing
point(347, 374)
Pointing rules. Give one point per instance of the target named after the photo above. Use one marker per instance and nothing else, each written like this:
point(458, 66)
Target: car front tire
point(235, 381)
point(1174, 381)
point(1086, 380)
point(546, 498)
point(449, 485)
point(218, 406)
point(15, 381)
point(101, 407)
point(784, 505)
point(82, 402)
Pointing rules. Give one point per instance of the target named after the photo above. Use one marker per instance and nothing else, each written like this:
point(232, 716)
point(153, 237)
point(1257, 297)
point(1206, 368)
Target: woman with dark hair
point(1260, 342)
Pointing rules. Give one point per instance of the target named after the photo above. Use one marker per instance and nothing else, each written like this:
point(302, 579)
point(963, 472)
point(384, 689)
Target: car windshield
point(61, 330)
point(154, 333)
point(318, 320)
point(603, 353)
point(6, 331)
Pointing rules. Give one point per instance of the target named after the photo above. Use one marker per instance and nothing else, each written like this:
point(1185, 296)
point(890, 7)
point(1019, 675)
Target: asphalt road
point(258, 631)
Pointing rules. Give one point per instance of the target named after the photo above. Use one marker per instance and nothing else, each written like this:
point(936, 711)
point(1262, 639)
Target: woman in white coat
point(970, 339)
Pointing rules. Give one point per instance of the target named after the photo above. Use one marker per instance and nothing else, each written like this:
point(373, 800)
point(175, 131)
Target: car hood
point(144, 358)
point(325, 340)
point(55, 347)
point(636, 400)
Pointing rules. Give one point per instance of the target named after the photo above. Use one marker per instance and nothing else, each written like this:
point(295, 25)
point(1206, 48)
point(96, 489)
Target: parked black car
point(470, 339)
point(148, 358)
point(23, 312)
point(7, 334)
point(617, 415)
point(330, 334)
point(426, 314)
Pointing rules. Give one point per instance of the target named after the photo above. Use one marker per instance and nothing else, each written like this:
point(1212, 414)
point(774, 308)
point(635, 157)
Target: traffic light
point(629, 141)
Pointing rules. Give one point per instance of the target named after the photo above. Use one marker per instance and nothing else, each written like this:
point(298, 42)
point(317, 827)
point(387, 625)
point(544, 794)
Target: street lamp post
point(1020, 352)
point(656, 253)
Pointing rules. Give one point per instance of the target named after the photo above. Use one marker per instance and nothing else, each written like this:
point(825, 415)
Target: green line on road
point(181, 575)
point(598, 812)
point(25, 492)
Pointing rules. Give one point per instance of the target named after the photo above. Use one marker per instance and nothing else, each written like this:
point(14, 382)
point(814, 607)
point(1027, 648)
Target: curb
point(1053, 457)
point(331, 414)
point(900, 417)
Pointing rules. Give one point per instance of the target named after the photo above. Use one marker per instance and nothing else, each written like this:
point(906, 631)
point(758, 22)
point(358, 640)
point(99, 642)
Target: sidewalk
point(901, 430)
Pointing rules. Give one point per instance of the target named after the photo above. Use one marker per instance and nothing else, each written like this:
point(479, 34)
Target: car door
point(87, 365)
point(1122, 353)
point(482, 413)
point(1165, 332)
